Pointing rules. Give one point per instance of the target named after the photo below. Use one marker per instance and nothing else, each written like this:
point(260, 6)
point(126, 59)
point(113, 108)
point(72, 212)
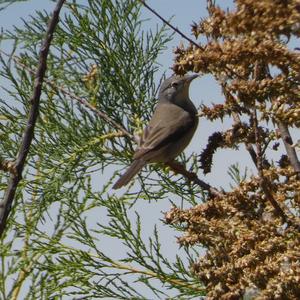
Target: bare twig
point(264, 184)
point(260, 70)
point(99, 113)
point(191, 176)
point(82, 101)
point(5, 205)
point(231, 72)
point(170, 25)
point(286, 138)
point(290, 150)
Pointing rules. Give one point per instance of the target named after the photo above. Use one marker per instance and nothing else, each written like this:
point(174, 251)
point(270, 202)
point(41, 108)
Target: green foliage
point(5, 3)
point(235, 174)
point(66, 223)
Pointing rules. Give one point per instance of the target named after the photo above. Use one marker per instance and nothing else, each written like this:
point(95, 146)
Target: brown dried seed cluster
point(260, 18)
point(247, 244)
point(238, 40)
point(239, 133)
point(249, 250)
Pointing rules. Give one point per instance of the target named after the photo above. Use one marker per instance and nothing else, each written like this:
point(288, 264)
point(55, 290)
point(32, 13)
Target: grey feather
point(134, 168)
point(170, 129)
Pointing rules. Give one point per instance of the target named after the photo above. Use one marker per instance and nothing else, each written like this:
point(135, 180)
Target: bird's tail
point(134, 168)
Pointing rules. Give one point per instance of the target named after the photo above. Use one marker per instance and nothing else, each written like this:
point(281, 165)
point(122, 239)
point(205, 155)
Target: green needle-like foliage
point(68, 235)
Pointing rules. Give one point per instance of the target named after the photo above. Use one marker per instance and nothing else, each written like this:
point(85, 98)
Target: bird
point(170, 129)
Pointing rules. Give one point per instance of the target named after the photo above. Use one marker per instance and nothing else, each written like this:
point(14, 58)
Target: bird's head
point(175, 89)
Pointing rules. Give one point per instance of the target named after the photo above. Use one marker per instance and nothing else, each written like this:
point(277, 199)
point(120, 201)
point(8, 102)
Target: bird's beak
point(189, 78)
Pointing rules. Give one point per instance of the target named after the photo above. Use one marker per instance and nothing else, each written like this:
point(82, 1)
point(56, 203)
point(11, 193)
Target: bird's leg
point(177, 167)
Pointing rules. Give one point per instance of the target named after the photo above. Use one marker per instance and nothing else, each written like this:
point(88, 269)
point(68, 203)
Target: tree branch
point(290, 150)
point(260, 71)
point(191, 176)
point(5, 205)
point(264, 183)
point(287, 139)
point(82, 101)
point(170, 25)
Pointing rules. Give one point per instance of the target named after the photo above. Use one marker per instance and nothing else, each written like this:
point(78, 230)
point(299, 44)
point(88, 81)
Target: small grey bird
point(170, 129)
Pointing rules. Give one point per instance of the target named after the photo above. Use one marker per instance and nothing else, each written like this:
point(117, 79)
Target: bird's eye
point(174, 84)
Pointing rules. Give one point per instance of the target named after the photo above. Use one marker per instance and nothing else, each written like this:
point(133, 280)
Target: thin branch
point(251, 152)
point(99, 113)
point(260, 70)
point(175, 29)
point(5, 205)
point(288, 144)
point(82, 101)
point(170, 25)
point(286, 138)
point(23, 273)
point(264, 183)
point(191, 176)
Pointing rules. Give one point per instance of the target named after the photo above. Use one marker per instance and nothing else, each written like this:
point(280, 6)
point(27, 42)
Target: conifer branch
point(6, 204)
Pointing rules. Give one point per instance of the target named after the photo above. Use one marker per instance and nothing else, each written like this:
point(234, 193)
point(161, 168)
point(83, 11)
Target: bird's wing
point(168, 122)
